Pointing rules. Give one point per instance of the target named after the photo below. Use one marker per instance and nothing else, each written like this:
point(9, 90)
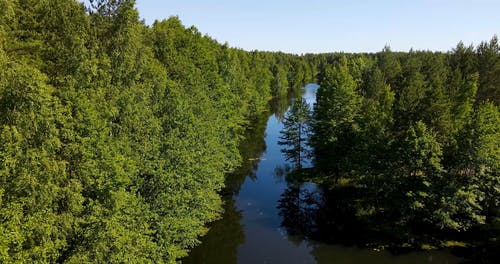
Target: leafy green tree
point(38, 202)
point(373, 142)
point(390, 66)
point(279, 83)
point(419, 168)
point(436, 104)
point(480, 153)
point(336, 112)
point(408, 106)
point(462, 93)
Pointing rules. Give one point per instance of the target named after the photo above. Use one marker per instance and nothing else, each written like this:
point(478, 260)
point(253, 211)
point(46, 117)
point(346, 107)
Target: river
point(262, 222)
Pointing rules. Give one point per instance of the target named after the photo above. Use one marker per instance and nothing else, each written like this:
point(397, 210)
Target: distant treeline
point(417, 134)
point(116, 136)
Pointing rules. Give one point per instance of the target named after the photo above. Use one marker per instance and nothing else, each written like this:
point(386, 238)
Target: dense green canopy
point(116, 136)
point(417, 134)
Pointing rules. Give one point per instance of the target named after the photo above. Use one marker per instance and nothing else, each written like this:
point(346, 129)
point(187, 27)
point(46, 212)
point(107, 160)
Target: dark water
point(266, 218)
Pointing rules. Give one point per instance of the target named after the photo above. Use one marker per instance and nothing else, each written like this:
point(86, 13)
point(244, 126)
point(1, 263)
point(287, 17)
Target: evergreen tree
point(376, 121)
point(296, 133)
point(488, 57)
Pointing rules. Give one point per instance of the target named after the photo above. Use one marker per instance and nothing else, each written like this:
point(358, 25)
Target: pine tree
point(296, 133)
point(488, 57)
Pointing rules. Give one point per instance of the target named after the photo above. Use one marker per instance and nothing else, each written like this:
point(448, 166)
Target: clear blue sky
point(302, 26)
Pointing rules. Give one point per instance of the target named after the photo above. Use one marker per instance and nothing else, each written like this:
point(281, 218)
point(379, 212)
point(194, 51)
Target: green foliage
point(488, 59)
point(421, 151)
point(482, 149)
point(416, 133)
point(336, 112)
point(115, 137)
point(375, 120)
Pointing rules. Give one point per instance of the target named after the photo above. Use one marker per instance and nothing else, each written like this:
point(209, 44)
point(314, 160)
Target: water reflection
point(251, 149)
point(299, 206)
point(325, 222)
point(220, 244)
point(280, 105)
point(215, 248)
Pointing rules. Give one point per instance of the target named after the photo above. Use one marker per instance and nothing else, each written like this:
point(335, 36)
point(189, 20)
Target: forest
point(116, 136)
point(411, 143)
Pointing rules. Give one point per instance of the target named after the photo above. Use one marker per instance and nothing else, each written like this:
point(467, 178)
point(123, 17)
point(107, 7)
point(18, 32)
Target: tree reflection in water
point(220, 244)
point(298, 210)
point(326, 215)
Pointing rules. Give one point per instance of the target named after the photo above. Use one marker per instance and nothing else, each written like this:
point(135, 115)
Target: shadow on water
point(327, 222)
point(220, 244)
point(320, 214)
point(251, 149)
point(215, 248)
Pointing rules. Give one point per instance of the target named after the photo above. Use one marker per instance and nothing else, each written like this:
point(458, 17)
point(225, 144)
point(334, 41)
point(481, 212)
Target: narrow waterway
point(260, 217)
